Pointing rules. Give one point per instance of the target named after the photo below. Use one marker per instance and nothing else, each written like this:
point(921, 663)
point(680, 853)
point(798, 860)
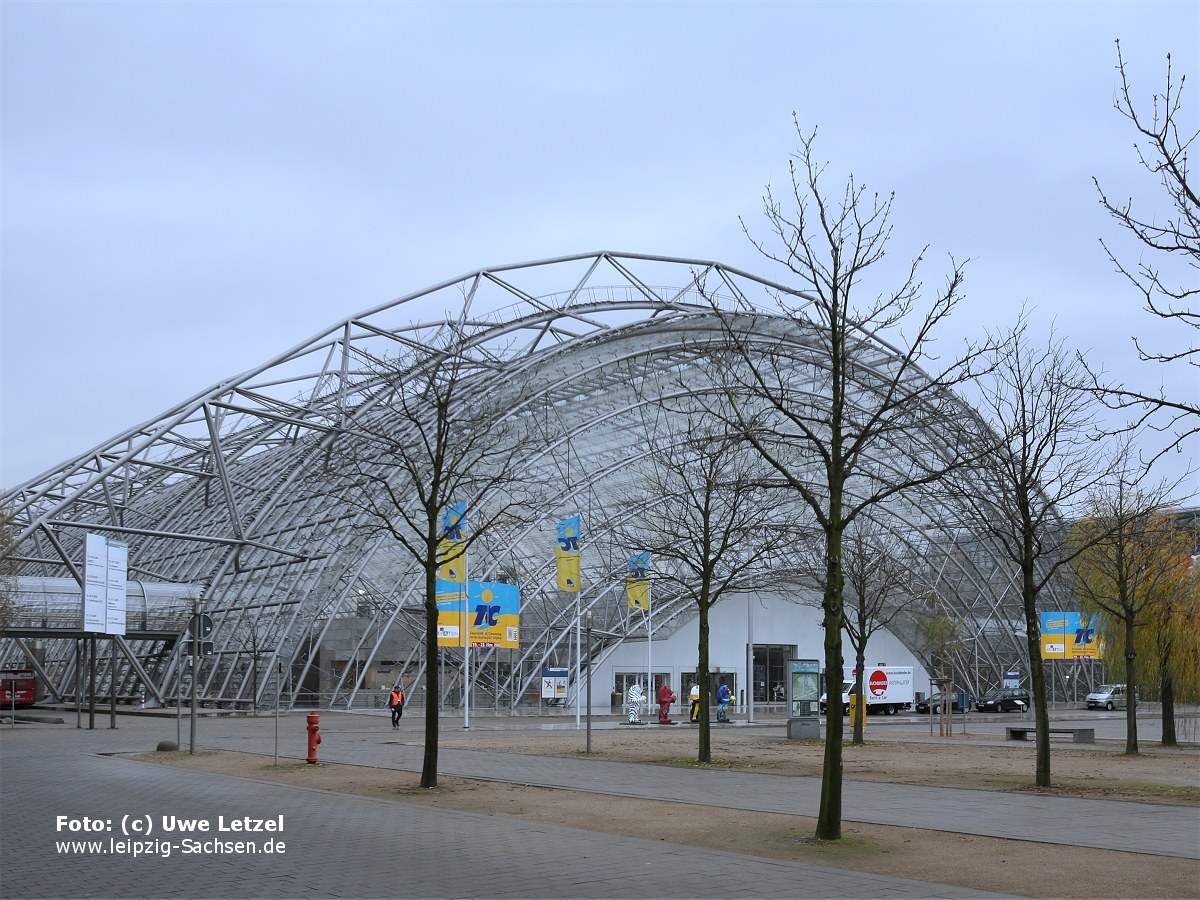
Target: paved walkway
point(340, 845)
point(1106, 824)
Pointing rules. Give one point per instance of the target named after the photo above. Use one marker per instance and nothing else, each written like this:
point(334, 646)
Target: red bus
point(23, 682)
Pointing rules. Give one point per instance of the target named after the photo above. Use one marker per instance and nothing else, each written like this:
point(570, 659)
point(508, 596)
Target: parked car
point(1109, 696)
point(1004, 700)
point(956, 703)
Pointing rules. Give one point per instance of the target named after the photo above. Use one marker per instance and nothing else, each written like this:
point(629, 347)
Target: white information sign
point(118, 564)
point(554, 683)
point(105, 568)
point(95, 583)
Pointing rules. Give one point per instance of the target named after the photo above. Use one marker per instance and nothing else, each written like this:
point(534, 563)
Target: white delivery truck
point(889, 689)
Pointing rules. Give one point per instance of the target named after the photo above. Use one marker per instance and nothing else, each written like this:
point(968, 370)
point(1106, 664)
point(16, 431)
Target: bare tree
point(1129, 568)
point(1162, 145)
point(841, 419)
point(253, 646)
point(8, 569)
point(937, 633)
point(708, 523)
point(1034, 479)
point(423, 440)
point(881, 588)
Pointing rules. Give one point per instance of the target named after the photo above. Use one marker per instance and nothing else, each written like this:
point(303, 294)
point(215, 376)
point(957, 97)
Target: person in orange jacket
point(396, 704)
point(665, 698)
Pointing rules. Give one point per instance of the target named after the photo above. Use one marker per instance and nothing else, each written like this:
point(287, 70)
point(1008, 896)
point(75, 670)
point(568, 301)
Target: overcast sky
point(190, 188)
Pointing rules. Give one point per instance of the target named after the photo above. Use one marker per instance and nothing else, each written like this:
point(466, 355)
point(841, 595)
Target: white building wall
point(776, 620)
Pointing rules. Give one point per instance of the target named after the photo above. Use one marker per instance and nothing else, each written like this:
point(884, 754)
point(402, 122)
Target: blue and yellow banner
point(452, 561)
point(1070, 635)
point(454, 522)
point(637, 582)
point(567, 554)
point(494, 608)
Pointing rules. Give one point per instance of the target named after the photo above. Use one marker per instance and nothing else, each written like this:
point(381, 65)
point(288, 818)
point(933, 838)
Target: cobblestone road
point(345, 846)
point(1105, 824)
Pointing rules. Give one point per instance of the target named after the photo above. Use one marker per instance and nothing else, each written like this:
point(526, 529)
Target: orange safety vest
point(396, 699)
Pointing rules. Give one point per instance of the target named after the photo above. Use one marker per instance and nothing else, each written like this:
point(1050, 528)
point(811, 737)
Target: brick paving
point(341, 845)
point(1104, 824)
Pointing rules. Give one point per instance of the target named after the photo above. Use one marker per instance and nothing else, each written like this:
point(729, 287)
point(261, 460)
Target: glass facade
point(771, 672)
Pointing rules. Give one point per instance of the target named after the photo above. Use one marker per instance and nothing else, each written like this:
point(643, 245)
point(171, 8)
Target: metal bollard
point(314, 726)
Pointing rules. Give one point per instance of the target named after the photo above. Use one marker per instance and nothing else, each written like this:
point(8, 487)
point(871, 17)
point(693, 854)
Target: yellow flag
point(452, 558)
point(638, 593)
point(637, 582)
point(568, 571)
point(566, 554)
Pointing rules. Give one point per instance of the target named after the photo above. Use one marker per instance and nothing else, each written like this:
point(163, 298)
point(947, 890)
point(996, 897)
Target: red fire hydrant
point(314, 726)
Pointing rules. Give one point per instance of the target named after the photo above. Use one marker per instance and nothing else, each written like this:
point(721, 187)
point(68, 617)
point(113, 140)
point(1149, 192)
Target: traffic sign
point(202, 625)
point(206, 648)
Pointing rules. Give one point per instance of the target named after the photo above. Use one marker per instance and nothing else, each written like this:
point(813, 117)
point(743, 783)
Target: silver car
point(1108, 696)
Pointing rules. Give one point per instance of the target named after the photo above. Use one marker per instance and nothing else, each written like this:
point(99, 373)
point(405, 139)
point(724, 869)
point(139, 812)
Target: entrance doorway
point(770, 672)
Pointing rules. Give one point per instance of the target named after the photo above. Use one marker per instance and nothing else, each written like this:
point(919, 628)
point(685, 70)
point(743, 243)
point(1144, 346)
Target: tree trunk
point(829, 815)
point(1131, 742)
point(429, 764)
point(706, 733)
point(705, 754)
point(1033, 642)
point(1168, 706)
point(860, 661)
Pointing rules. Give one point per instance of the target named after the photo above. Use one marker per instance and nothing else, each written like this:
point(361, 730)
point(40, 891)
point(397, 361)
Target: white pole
point(578, 667)
point(278, 689)
point(466, 597)
point(649, 645)
point(750, 660)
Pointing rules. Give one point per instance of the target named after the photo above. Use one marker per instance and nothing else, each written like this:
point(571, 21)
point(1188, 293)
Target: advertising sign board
point(1070, 635)
point(494, 608)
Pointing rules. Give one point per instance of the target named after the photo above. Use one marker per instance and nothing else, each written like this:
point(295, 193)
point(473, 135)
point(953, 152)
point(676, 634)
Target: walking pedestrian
point(396, 704)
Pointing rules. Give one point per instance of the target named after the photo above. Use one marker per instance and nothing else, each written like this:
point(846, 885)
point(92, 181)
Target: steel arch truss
point(216, 492)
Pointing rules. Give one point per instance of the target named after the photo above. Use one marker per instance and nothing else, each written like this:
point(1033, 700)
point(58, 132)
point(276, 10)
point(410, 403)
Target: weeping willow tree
point(1135, 574)
point(1159, 654)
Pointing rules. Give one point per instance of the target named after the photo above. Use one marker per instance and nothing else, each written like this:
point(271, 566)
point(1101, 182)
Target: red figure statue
point(665, 698)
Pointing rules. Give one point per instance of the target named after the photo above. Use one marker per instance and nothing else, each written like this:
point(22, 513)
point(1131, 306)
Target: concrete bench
point(1078, 735)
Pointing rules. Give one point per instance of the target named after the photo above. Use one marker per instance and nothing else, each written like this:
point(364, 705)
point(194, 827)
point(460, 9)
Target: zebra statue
point(633, 703)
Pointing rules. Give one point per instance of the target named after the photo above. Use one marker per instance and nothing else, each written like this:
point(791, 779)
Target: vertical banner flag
point(637, 582)
point(566, 554)
point(451, 585)
point(454, 522)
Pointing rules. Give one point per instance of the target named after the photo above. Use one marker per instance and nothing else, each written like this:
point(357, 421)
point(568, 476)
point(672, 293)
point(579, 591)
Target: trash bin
point(616, 701)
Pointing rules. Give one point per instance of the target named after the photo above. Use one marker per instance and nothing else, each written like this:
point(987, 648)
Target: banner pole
point(578, 667)
point(649, 645)
point(466, 642)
